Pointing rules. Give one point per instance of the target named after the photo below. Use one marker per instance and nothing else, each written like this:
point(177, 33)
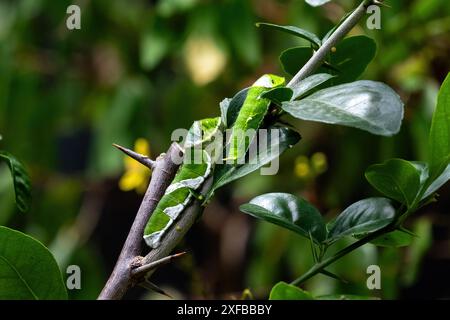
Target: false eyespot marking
point(178, 195)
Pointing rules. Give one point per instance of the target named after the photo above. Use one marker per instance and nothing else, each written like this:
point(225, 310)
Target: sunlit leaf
point(367, 105)
point(307, 85)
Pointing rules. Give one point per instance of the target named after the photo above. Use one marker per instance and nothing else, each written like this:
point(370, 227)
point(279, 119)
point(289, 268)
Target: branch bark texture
point(121, 278)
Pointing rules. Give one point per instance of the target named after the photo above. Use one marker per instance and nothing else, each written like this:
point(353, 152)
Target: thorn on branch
point(380, 3)
point(143, 159)
point(153, 287)
point(142, 270)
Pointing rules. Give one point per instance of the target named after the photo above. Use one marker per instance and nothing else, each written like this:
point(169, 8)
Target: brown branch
point(150, 262)
point(121, 278)
point(145, 268)
point(174, 235)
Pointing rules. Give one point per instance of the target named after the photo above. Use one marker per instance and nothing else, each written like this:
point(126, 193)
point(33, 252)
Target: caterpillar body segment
point(251, 115)
point(197, 166)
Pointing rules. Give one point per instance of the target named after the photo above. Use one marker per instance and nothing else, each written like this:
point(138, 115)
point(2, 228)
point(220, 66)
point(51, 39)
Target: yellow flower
point(302, 169)
point(307, 169)
point(136, 175)
point(319, 162)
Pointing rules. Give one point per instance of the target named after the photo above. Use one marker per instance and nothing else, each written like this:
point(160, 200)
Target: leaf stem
point(317, 268)
point(320, 55)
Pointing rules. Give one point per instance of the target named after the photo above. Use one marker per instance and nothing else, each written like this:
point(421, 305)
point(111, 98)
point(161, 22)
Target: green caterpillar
point(189, 178)
point(251, 114)
point(192, 174)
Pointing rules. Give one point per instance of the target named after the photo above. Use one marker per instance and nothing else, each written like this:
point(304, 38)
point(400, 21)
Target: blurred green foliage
point(144, 68)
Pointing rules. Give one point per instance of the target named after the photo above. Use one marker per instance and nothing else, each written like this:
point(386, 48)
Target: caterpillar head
point(270, 81)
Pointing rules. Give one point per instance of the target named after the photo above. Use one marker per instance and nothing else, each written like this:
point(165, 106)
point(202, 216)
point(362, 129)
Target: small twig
point(381, 3)
point(332, 275)
point(144, 269)
point(143, 159)
point(153, 287)
point(318, 267)
point(319, 56)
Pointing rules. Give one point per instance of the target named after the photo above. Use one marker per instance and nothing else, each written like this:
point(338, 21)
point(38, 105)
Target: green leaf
point(439, 140)
point(305, 86)
point(226, 173)
point(422, 168)
point(394, 239)
point(304, 34)
point(234, 107)
point(27, 269)
point(396, 178)
point(367, 105)
point(284, 291)
point(347, 62)
point(351, 57)
point(345, 297)
point(21, 180)
point(288, 211)
point(437, 183)
point(278, 95)
point(293, 59)
point(364, 216)
point(428, 185)
point(316, 3)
